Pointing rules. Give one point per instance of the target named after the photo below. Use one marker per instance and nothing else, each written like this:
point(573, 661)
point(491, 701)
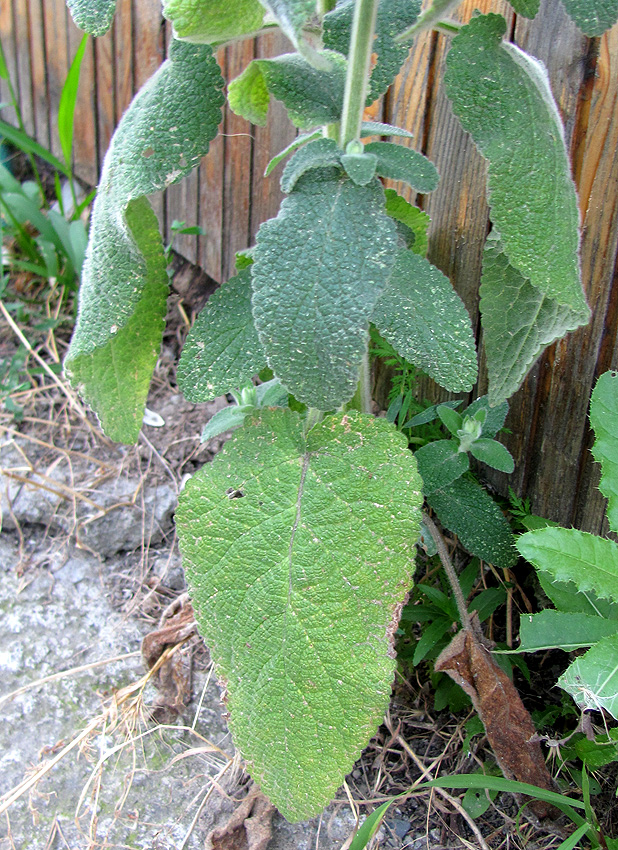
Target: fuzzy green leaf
point(114, 377)
point(161, 137)
point(519, 322)
point(296, 585)
point(377, 128)
point(393, 17)
point(558, 630)
point(604, 421)
point(495, 417)
point(466, 509)
point(310, 95)
point(316, 154)
point(293, 16)
point(527, 8)
point(503, 99)
point(213, 21)
point(568, 554)
point(593, 17)
point(439, 464)
point(415, 221)
point(92, 16)
point(298, 142)
point(405, 164)
point(360, 167)
point(222, 351)
point(450, 418)
point(422, 316)
point(592, 679)
point(493, 453)
point(228, 419)
point(315, 287)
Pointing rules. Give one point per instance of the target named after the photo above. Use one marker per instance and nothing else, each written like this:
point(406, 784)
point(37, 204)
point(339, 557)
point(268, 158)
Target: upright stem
point(432, 528)
point(324, 6)
point(359, 60)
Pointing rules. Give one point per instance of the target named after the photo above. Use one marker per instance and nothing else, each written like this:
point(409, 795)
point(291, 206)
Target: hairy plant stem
point(357, 79)
point(324, 6)
point(432, 528)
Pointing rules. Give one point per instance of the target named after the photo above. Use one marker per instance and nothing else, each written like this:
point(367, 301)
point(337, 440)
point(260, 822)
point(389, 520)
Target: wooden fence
point(229, 198)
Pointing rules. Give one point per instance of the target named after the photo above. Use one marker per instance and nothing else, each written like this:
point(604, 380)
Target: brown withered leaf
point(248, 828)
point(173, 678)
point(507, 722)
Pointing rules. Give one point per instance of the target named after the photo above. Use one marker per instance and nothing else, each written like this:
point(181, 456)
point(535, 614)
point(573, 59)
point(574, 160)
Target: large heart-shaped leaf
point(604, 421)
point(161, 137)
point(503, 99)
point(319, 269)
point(299, 552)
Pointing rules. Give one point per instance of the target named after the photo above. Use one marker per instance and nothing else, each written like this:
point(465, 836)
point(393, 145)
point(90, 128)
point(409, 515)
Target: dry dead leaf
point(248, 828)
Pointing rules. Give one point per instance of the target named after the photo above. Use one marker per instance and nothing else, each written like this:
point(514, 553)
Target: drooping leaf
point(161, 137)
point(377, 128)
point(527, 8)
point(316, 154)
point(518, 320)
point(393, 16)
point(604, 421)
point(439, 464)
point(213, 21)
point(406, 164)
point(222, 350)
point(503, 99)
point(566, 597)
point(495, 418)
point(592, 679)
point(319, 268)
point(466, 509)
point(414, 220)
point(228, 419)
point(92, 16)
point(298, 142)
point(593, 17)
point(296, 584)
point(558, 630)
point(311, 96)
point(293, 16)
point(422, 316)
point(493, 453)
point(114, 377)
point(568, 554)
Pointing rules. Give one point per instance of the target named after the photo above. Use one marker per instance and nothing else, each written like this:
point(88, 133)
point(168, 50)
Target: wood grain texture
point(38, 63)
point(23, 88)
point(7, 36)
point(57, 56)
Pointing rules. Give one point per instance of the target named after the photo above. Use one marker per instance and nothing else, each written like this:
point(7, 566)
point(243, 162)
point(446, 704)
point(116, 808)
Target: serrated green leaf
point(405, 164)
point(222, 350)
point(592, 679)
point(493, 453)
point(293, 16)
point(518, 320)
point(360, 167)
point(593, 17)
point(393, 16)
point(377, 128)
point(466, 509)
point(559, 630)
point(422, 316)
point(319, 269)
point(599, 752)
point(296, 585)
point(310, 95)
point(527, 8)
point(114, 378)
point(317, 154)
point(568, 554)
point(566, 597)
point(298, 142)
point(439, 464)
point(213, 21)
point(224, 420)
point(92, 16)
point(415, 220)
point(503, 99)
point(604, 421)
point(161, 137)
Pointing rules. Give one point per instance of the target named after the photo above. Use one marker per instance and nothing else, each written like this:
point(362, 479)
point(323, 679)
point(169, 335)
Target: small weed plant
point(299, 538)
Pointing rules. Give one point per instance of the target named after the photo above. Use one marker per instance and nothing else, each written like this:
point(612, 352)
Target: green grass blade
point(370, 826)
point(572, 841)
point(68, 98)
point(25, 143)
point(497, 783)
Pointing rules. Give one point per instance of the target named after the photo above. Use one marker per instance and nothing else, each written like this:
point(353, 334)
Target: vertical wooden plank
point(211, 201)
point(238, 146)
point(268, 141)
point(7, 35)
point(38, 63)
point(85, 159)
point(123, 56)
point(57, 52)
point(105, 90)
point(24, 73)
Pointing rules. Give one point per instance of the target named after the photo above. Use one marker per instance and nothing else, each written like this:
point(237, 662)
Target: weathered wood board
point(229, 198)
